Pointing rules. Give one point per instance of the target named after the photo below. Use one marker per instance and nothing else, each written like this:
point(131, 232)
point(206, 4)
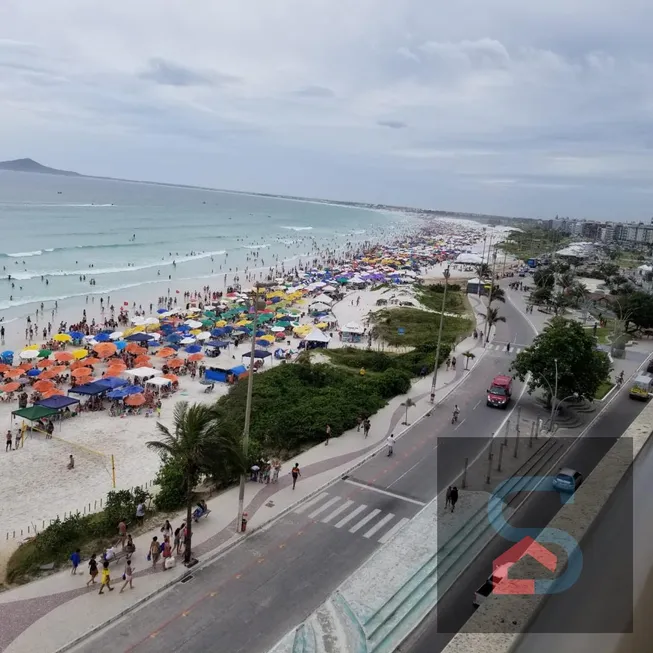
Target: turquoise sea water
point(59, 233)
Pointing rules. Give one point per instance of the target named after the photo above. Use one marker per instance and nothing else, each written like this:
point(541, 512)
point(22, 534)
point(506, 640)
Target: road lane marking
point(312, 502)
point(397, 527)
point(365, 520)
point(459, 425)
point(351, 515)
point(477, 404)
point(419, 462)
point(337, 511)
point(388, 494)
point(380, 525)
point(324, 507)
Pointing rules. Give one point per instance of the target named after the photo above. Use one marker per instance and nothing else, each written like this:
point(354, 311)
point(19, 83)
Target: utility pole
point(256, 303)
point(447, 274)
point(494, 262)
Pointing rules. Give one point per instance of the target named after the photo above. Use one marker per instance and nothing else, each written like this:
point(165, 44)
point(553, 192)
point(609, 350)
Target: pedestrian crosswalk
point(352, 517)
point(503, 347)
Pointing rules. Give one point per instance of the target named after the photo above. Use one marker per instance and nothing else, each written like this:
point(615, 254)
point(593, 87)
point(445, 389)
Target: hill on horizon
point(29, 165)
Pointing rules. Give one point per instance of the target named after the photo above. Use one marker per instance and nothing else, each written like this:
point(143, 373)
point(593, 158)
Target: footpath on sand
point(47, 615)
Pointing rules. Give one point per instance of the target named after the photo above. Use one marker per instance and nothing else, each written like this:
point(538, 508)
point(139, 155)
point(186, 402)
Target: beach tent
point(316, 336)
point(221, 374)
point(472, 259)
point(353, 327)
point(34, 413)
point(113, 382)
point(159, 382)
point(324, 299)
point(57, 402)
point(258, 353)
point(140, 372)
point(94, 388)
point(475, 287)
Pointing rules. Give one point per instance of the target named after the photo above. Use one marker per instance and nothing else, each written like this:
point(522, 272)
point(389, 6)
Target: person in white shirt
point(390, 443)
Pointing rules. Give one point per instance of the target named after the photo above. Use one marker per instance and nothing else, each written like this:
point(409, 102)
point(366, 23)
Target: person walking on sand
point(140, 513)
point(328, 434)
point(454, 497)
point(8, 440)
point(122, 532)
point(127, 576)
point(92, 570)
point(390, 444)
point(453, 363)
point(71, 462)
point(366, 427)
point(295, 473)
point(166, 552)
point(447, 501)
point(106, 578)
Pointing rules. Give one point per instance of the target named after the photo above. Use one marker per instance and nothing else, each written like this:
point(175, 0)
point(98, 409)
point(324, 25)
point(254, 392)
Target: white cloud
point(410, 99)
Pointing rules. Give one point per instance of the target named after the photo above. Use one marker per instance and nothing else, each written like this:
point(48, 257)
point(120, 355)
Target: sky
point(506, 107)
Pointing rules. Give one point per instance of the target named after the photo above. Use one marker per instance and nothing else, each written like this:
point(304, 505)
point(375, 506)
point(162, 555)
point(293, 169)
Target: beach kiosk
point(352, 332)
point(316, 340)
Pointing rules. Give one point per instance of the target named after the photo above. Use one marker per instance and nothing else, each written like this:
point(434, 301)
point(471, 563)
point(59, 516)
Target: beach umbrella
point(30, 354)
point(278, 329)
point(263, 343)
point(62, 337)
point(116, 335)
point(78, 354)
point(25, 366)
point(81, 372)
point(135, 400)
point(133, 389)
point(142, 361)
point(76, 335)
point(43, 385)
point(48, 374)
point(139, 337)
point(45, 353)
point(31, 348)
point(175, 362)
point(60, 369)
point(193, 324)
point(10, 387)
point(203, 335)
point(120, 345)
point(63, 356)
point(112, 371)
point(118, 393)
point(174, 338)
point(102, 337)
point(187, 341)
point(196, 357)
point(104, 349)
point(92, 360)
point(171, 377)
point(193, 349)
point(7, 355)
point(77, 364)
point(4, 367)
point(54, 392)
point(136, 349)
point(161, 310)
point(33, 372)
point(166, 352)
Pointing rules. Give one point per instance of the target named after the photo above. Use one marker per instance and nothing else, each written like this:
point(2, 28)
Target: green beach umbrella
point(45, 353)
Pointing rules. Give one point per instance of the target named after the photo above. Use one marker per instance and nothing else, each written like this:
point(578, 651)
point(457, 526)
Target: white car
point(567, 480)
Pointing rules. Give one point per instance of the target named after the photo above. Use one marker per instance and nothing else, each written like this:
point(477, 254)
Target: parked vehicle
point(490, 584)
point(500, 391)
point(567, 480)
point(641, 388)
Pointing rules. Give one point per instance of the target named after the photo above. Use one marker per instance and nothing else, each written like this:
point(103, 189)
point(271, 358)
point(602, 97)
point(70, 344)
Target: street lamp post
point(555, 395)
point(257, 303)
point(447, 274)
point(574, 395)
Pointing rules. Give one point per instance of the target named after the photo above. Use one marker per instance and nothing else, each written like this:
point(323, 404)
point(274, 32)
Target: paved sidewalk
point(49, 613)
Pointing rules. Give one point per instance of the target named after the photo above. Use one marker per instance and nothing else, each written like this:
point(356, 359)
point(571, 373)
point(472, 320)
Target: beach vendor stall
point(352, 332)
point(315, 340)
point(260, 355)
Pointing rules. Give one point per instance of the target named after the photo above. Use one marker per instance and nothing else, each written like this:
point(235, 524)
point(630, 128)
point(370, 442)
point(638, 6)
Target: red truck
point(498, 394)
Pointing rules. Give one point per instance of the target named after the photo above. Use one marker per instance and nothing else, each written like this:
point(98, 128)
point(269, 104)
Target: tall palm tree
point(492, 317)
point(200, 446)
point(484, 271)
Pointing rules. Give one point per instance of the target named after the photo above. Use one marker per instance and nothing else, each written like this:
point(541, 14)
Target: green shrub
point(172, 486)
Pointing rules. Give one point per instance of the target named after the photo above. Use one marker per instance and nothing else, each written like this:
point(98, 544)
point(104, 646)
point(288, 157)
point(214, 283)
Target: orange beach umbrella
point(135, 400)
point(10, 387)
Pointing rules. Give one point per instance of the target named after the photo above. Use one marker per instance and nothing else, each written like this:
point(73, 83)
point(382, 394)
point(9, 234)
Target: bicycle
point(454, 417)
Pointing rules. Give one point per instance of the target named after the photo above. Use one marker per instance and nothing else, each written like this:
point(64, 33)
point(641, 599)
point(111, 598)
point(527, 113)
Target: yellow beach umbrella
point(32, 348)
point(78, 354)
point(322, 325)
point(267, 338)
point(221, 323)
point(62, 337)
point(196, 331)
point(243, 323)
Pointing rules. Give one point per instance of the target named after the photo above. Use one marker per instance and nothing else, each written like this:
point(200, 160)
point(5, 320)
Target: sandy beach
point(49, 490)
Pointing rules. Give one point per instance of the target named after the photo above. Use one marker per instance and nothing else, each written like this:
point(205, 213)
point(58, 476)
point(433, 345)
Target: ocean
point(68, 237)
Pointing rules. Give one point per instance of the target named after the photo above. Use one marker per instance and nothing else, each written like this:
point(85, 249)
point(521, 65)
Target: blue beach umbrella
point(120, 345)
point(175, 338)
point(132, 390)
point(102, 337)
point(76, 335)
point(112, 382)
point(161, 310)
point(119, 393)
point(139, 337)
point(193, 349)
point(33, 372)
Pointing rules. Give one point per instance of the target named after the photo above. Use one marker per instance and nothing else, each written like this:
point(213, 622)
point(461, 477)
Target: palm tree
point(468, 356)
point(559, 301)
point(497, 293)
point(484, 271)
point(200, 446)
point(492, 317)
point(409, 403)
point(566, 279)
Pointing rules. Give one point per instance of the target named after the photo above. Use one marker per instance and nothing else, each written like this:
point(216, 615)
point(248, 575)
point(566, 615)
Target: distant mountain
point(29, 165)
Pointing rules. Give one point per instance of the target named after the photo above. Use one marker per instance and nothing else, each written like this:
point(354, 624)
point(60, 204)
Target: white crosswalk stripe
point(514, 349)
point(355, 516)
point(365, 520)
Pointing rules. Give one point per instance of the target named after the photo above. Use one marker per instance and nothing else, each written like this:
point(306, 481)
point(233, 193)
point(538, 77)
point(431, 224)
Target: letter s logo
point(525, 540)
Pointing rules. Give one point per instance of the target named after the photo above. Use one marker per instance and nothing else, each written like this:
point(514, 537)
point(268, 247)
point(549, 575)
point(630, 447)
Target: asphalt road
point(247, 600)
point(575, 606)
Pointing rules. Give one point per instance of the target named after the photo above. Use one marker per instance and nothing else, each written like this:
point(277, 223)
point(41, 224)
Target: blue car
point(567, 480)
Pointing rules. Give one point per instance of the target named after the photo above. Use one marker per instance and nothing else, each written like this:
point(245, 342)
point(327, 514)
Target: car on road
point(499, 392)
point(567, 480)
point(641, 388)
point(499, 574)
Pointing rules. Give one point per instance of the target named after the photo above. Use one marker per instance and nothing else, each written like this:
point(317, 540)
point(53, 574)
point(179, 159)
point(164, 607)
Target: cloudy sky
point(498, 106)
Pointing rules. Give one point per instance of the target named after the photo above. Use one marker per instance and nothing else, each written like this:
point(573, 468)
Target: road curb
point(228, 546)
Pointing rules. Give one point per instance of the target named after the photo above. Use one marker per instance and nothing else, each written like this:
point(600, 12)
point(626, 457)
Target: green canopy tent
point(34, 413)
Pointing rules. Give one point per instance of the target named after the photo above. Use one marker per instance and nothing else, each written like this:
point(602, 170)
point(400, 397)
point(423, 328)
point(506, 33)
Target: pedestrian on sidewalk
point(127, 576)
point(448, 364)
point(176, 543)
point(166, 529)
point(390, 444)
point(367, 425)
point(106, 578)
point(508, 347)
point(122, 532)
point(454, 497)
point(166, 551)
point(276, 468)
point(328, 434)
point(447, 501)
point(75, 559)
point(453, 363)
point(359, 422)
point(140, 513)
point(155, 551)
point(92, 570)
point(130, 547)
point(8, 440)
point(295, 473)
